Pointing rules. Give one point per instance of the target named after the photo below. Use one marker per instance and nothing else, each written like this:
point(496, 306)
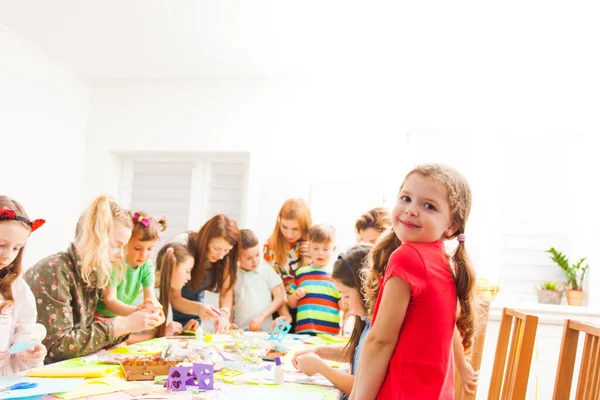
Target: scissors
point(18, 386)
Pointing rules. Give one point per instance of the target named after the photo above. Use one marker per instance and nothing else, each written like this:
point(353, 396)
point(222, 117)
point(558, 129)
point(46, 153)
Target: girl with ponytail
point(174, 265)
point(414, 291)
point(67, 285)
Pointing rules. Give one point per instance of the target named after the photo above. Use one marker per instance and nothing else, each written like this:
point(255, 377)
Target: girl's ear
point(452, 229)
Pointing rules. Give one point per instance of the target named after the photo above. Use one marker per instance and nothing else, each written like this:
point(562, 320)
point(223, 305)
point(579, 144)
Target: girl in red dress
point(414, 290)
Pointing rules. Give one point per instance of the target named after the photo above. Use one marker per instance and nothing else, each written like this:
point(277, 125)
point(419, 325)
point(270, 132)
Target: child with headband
point(17, 305)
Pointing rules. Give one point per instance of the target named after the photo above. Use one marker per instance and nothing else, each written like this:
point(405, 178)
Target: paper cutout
point(205, 376)
point(199, 375)
point(280, 331)
point(227, 373)
point(20, 346)
point(93, 387)
point(44, 386)
point(88, 372)
point(178, 376)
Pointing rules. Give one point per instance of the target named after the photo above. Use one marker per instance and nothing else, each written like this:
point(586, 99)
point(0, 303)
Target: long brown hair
point(93, 239)
point(11, 272)
point(347, 269)
point(218, 226)
point(169, 257)
point(292, 209)
point(459, 199)
point(377, 261)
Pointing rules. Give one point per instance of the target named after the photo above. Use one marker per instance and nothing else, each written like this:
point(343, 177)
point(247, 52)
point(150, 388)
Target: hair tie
point(170, 250)
point(345, 263)
point(145, 222)
point(461, 237)
point(7, 214)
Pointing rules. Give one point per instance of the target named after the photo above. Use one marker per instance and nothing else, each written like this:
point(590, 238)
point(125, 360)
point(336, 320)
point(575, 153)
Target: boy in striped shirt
point(313, 292)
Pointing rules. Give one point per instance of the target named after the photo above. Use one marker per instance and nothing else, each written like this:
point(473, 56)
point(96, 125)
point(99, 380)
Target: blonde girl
point(67, 286)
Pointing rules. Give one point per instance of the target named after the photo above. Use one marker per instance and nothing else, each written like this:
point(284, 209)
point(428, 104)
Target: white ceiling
point(185, 38)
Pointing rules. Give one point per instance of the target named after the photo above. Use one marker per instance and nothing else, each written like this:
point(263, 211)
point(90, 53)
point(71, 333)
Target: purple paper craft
point(200, 375)
point(176, 381)
point(205, 376)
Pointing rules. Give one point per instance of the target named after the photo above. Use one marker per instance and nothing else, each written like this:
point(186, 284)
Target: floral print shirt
point(66, 306)
point(292, 263)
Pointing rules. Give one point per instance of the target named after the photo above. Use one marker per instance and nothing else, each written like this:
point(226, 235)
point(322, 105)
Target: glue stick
point(199, 333)
point(278, 371)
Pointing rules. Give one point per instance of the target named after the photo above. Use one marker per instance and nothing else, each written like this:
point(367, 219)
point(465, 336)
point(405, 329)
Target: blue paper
point(20, 346)
point(44, 386)
point(281, 329)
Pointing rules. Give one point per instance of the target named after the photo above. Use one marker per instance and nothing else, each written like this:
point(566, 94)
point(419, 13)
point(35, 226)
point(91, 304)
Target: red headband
point(7, 214)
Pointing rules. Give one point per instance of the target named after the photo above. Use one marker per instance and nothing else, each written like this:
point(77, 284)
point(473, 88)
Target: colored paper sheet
point(261, 393)
point(93, 387)
point(82, 372)
point(44, 386)
point(19, 347)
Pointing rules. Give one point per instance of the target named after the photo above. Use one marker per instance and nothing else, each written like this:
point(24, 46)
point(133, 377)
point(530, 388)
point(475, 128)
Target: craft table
point(110, 376)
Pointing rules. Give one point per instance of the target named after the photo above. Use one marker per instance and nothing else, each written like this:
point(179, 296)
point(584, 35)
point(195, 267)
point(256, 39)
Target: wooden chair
point(509, 377)
point(481, 319)
point(588, 385)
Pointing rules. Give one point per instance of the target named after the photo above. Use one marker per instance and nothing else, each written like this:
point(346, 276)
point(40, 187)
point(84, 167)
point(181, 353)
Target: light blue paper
point(20, 346)
point(44, 386)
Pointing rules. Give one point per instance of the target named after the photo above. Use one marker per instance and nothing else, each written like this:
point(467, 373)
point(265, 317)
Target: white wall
point(44, 107)
point(297, 134)
point(316, 139)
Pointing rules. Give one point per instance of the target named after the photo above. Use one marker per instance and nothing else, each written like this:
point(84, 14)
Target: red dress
point(421, 365)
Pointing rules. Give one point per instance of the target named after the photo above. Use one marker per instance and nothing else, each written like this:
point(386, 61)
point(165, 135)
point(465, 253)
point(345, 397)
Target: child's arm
point(113, 304)
point(26, 330)
point(150, 296)
point(381, 339)
point(468, 376)
point(183, 305)
point(284, 314)
point(277, 293)
point(332, 352)
point(311, 364)
point(223, 323)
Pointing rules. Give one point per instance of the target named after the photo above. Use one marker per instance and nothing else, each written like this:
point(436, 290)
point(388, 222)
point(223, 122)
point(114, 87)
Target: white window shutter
point(163, 189)
point(225, 189)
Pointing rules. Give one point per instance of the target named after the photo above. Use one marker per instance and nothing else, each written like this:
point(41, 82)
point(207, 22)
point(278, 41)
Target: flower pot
point(549, 296)
point(575, 297)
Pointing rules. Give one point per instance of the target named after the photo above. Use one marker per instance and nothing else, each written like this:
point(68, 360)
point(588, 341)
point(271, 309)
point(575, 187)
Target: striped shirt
point(318, 311)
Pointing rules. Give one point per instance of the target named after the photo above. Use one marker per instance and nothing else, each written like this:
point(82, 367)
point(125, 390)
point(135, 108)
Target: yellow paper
point(134, 351)
point(88, 372)
point(94, 387)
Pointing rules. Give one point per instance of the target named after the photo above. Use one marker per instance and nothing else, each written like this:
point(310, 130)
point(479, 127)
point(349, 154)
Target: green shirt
point(129, 288)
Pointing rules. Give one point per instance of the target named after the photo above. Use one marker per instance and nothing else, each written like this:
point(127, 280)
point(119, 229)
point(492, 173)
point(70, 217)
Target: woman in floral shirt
point(67, 286)
point(287, 248)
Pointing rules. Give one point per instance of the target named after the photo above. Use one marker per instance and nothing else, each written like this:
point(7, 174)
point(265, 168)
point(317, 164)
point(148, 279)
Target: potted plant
point(549, 293)
point(575, 274)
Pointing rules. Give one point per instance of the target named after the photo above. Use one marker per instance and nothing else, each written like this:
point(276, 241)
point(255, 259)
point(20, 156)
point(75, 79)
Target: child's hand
point(300, 354)
point(191, 325)
point(310, 364)
point(222, 325)
point(208, 312)
point(468, 376)
point(286, 318)
point(4, 355)
point(37, 353)
point(299, 293)
point(256, 323)
point(173, 328)
point(303, 249)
